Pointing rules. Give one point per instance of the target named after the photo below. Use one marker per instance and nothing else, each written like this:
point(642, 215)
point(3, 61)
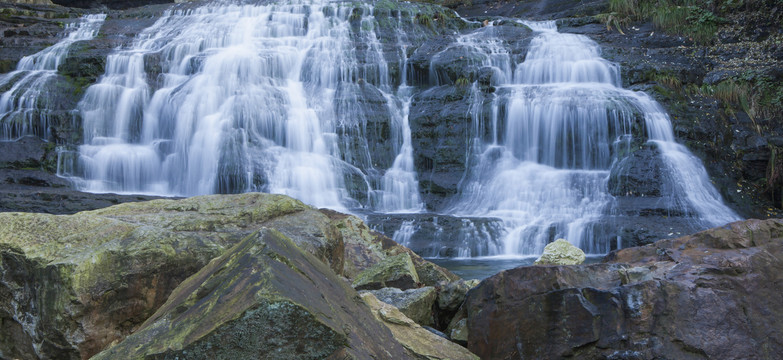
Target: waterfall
point(21, 110)
point(314, 100)
point(232, 98)
point(557, 126)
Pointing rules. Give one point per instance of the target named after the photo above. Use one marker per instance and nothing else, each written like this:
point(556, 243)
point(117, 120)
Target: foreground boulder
point(264, 298)
point(715, 294)
point(71, 285)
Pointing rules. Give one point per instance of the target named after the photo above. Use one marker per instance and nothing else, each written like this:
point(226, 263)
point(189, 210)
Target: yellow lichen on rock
point(561, 252)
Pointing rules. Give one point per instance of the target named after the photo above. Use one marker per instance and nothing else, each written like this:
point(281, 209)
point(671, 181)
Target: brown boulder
point(715, 294)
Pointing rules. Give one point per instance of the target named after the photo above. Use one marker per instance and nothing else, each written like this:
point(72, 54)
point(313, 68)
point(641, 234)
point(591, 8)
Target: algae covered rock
point(264, 298)
point(414, 303)
point(561, 252)
point(419, 342)
point(77, 283)
point(395, 271)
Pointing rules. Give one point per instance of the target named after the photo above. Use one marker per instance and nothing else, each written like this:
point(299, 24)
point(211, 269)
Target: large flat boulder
point(714, 294)
point(263, 298)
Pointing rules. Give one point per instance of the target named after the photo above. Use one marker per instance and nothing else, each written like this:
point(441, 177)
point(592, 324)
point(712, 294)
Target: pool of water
point(484, 267)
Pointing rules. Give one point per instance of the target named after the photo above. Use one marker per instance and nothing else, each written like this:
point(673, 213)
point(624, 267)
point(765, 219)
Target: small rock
point(394, 316)
point(416, 339)
point(414, 303)
point(452, 294)
point(458, 327)
point(635, 275)
point(459, 332)
point(561, 252)
point(395, 271)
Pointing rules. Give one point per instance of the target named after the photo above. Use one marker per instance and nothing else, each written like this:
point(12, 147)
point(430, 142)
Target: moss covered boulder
point(264, 298)
point(561, 252)
point(71, 285)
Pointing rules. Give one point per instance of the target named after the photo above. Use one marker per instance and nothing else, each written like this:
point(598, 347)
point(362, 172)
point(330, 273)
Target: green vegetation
point(757, 95)
point(424, 19)
point(690, 18)
point(668, 80)
point(463, 82)
point(448, 3)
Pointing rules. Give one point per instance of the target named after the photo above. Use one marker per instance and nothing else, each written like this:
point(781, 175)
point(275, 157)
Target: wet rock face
point(110, 4)
point(708, 295)
point(531, 9)
point(27, 29)
point(734, 136)
point(639, 174)
point(439, 117)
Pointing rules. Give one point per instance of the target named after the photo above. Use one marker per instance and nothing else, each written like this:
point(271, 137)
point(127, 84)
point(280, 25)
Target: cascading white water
point(280, 98)
point(690, 183)
point(400, 187)
point(403, 235)
point(20, 111)
point(556, 129)
point(248, 97)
